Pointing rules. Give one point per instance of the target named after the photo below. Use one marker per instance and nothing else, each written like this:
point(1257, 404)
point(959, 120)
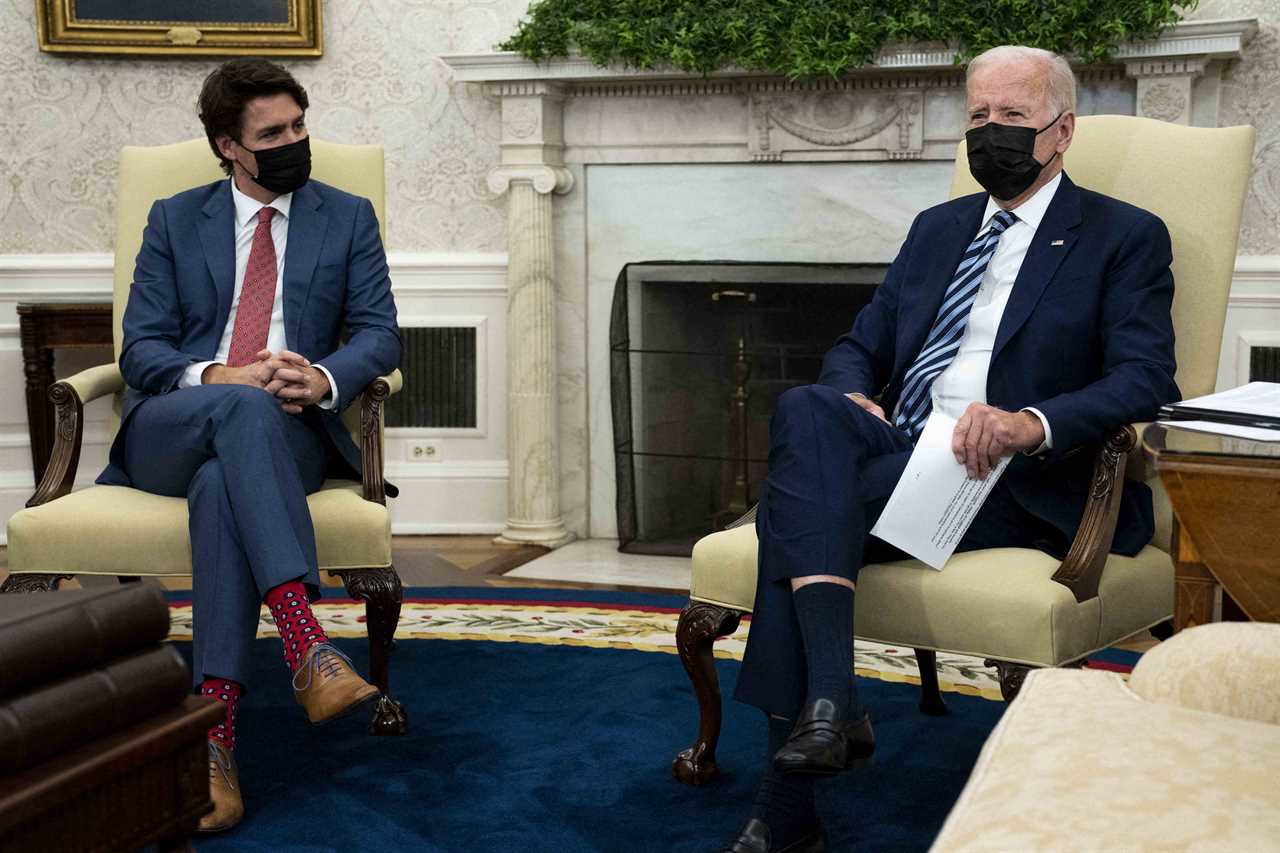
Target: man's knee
point(246, 401)
point(797, 400)
point(804, 400)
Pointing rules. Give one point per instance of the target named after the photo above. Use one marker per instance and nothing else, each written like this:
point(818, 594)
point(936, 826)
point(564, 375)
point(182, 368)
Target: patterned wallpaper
point(1251, 95)
point(63, 120)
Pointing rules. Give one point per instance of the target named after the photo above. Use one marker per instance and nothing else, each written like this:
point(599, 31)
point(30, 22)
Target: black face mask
point(285, 168)
point(1002, 158)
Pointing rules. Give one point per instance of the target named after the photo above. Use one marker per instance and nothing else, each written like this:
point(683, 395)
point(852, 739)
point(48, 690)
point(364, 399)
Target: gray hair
point(1060, 83)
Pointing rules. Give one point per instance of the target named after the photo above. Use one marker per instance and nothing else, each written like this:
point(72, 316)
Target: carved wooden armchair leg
point(700, 625)
point(1011, 677)
point(32, 583)
point(931, 702)
point(381, 593)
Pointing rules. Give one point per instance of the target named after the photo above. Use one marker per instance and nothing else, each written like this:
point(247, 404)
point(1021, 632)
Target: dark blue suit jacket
point(336, 284)
point(1086, 338)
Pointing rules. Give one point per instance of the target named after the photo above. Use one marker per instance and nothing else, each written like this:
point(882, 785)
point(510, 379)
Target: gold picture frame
point(205, 27)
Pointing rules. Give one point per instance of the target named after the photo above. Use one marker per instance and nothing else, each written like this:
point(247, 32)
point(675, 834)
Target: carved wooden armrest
point(375, 487)
point(69, 397)
point(1081, 570)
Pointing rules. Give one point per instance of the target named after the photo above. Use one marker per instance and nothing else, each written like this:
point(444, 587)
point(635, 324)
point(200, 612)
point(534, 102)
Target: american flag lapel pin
point(1056, 243)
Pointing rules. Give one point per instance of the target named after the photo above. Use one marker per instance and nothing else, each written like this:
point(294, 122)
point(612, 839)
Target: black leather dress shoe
point(756, 838)
point(823, 743)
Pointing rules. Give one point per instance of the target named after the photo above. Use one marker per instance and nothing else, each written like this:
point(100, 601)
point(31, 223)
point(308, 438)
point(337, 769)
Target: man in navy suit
point(236, 374)
point(1037, 315)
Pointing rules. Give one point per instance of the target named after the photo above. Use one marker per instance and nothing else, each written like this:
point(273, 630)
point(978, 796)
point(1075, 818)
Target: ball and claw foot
point(389, 718)
point(693, 769)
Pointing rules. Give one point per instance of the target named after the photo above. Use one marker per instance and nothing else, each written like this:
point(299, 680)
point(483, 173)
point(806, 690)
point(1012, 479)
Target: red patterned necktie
point(257, 296)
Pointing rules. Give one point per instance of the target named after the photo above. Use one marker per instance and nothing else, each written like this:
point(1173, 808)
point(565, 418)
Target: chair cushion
point(1079, 763)
point(114, 530)
point(998, 603)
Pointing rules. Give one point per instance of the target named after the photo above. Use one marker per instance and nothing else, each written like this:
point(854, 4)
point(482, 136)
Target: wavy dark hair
point(232, 85)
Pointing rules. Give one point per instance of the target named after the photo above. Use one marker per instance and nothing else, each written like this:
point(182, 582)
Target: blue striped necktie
point(943, 343)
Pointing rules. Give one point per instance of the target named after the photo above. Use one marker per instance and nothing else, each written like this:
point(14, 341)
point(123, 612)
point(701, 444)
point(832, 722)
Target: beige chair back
point(1193, 178)
point(152, 173)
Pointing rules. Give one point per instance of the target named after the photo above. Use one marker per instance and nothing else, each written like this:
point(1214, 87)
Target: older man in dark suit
point(1038, 315)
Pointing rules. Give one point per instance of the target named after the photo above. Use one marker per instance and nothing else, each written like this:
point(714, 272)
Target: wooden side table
point(148, 784)
point(44, 327)
point(1226, 502)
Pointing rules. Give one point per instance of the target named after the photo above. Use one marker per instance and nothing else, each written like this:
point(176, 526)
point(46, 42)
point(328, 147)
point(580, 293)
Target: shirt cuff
point(1047, 444)
point(193, 375)
point(331, 402)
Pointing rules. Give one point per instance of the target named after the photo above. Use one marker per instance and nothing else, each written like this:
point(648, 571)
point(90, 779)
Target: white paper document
point(1251, 433)
point(1255, 398)
point(935, 501)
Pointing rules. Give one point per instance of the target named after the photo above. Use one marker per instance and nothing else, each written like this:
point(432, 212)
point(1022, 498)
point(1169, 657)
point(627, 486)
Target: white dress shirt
point(246, 223)
point(965, 379)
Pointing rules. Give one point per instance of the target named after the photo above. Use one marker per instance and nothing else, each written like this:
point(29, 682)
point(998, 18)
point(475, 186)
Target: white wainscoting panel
point(464, 491)
point(1253, 316)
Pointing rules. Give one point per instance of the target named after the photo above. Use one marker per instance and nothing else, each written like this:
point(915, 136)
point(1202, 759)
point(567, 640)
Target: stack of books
point(78, 665)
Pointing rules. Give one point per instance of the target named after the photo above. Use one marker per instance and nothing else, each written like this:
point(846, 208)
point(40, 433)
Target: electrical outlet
point(423, 451)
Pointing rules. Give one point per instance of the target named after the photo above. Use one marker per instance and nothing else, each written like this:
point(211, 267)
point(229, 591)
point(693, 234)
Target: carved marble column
point(532, 170)
point(1165, 87)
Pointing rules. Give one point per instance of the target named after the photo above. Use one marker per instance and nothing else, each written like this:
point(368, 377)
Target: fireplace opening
point(699, 354)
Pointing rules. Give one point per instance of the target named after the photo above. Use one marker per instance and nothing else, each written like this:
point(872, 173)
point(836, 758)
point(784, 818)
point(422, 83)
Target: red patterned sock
point(228, 693)
point(298, 626)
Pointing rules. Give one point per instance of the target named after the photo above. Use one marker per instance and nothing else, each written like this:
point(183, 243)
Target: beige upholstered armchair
point(113, 530)
point(1019, 608)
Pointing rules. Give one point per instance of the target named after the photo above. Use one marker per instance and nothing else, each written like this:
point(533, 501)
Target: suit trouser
point(246, 468)
point(832, 468)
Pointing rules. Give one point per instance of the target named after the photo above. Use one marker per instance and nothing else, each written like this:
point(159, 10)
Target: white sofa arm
point(1230, 668)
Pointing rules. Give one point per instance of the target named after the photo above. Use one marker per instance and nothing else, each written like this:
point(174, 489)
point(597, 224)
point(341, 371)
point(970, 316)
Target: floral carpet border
point(596, 625)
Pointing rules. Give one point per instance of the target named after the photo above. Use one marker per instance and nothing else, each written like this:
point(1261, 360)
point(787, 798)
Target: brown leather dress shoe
point(224, 790)
point(327, 687)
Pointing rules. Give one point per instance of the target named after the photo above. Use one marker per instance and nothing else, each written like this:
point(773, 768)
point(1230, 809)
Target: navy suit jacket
point(1086, 338)
point(336, 285)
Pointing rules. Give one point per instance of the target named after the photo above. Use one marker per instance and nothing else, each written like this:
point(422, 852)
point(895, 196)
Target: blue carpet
point(563, 749)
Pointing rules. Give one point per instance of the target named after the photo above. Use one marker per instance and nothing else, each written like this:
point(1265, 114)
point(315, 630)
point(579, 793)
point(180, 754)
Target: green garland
point(817, 38)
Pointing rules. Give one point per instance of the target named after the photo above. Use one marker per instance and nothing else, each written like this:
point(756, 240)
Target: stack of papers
point(1251, 411)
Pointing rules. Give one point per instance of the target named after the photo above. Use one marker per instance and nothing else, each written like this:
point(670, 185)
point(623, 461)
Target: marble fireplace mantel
point(563, 116)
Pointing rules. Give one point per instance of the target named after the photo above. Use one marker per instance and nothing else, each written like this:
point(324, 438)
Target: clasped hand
point(287, 376)
point(982, 435)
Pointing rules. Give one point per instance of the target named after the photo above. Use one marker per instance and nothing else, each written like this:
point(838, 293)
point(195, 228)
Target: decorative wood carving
point(1081, 570)
point(1011, 677)
point(931, 701)
point(700, 625)
point(381, 592)
point(371, 401)
point(60, 473)
point(837, 120)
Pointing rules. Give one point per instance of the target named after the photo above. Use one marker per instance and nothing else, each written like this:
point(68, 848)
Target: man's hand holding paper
point(937, 498)
point(984, 434)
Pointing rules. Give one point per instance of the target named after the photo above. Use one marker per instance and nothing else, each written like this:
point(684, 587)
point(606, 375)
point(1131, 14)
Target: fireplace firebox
point(699, 354)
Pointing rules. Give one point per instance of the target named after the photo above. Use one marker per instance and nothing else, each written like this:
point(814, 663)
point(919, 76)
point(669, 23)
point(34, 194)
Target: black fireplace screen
point(699, 354)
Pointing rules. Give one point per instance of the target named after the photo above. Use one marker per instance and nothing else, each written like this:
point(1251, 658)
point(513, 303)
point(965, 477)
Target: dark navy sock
point(784, 802)
point(825, 614)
